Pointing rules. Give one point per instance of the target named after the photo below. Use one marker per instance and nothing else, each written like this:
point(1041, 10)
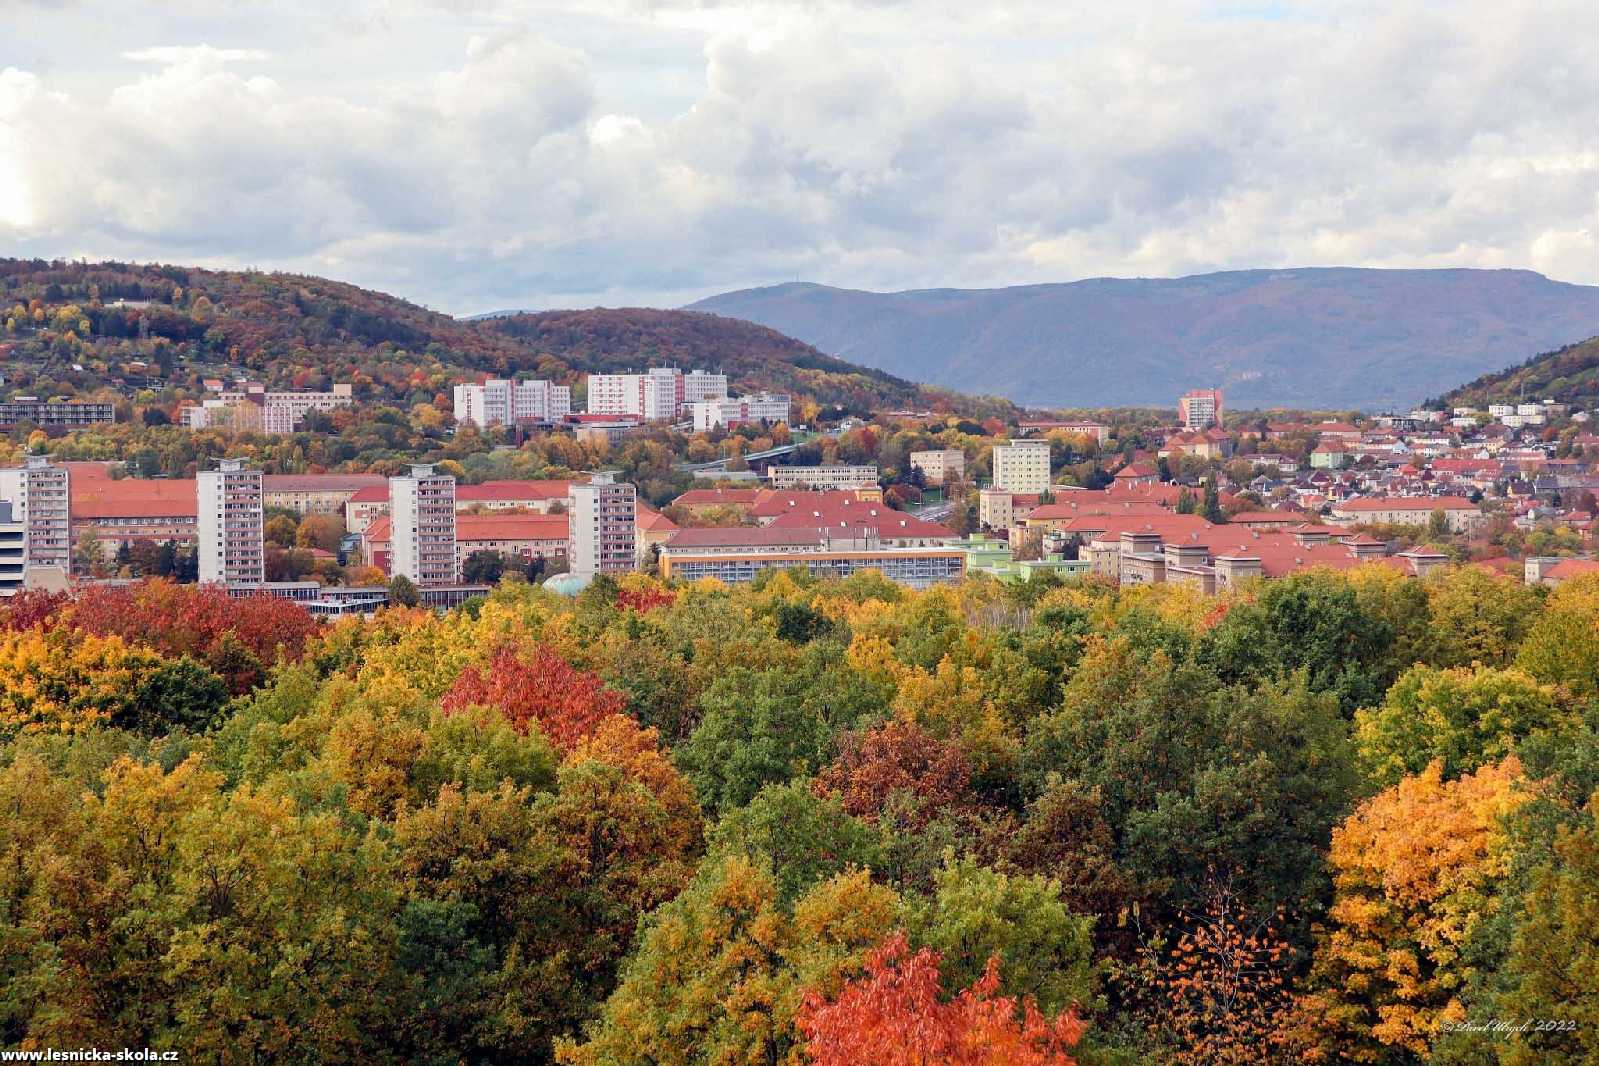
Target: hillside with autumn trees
point(147, 337)
point(1338, 817)
point(291, 330)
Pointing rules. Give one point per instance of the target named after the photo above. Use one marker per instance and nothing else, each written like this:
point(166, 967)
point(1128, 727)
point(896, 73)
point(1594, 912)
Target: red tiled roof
point(743, 536)
point(321, 482)
point(1570, 568)
point(650, 520)
point(478, 527)
point(549, 489)
point(719, 497)
point(1275, 517)
point(773, 502)
point(885, 521)
point(132, 497)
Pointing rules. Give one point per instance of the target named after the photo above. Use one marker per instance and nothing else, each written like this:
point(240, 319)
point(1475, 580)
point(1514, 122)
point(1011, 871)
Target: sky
point(475, 155)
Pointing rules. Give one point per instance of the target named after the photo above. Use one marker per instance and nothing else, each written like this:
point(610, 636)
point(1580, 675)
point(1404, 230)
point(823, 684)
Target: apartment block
point(13, 551)
point(724, 412)
point(39, 492)
point(939, 464)
point(1199, 409)
point(229, 522)
point(659, 394)
point(422, 517)
point(250, 407)
point(54, 415)
point(603, 526)
point(500, 402)
point(1022, 466)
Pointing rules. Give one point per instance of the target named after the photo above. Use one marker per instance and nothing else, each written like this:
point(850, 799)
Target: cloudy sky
point(482, 154)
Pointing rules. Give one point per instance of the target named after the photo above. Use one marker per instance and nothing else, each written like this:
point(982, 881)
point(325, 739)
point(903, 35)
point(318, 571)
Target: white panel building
point(13, 551)
point(731, 411)
point(498, 401)
point(603, 526)
point(39, 492)
point(422, 517)
point(1022, 466)
point(230, 524)
point(657, 395)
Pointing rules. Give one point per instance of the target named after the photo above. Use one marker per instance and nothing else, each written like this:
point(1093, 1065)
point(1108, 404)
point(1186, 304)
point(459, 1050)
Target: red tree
point(31, 607)
point(893, 1016)
point(897, 757)
point(238, 638)
point(537, 685)
point(646, 599)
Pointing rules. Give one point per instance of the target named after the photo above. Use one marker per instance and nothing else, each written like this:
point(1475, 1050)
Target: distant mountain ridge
point(1311, 337)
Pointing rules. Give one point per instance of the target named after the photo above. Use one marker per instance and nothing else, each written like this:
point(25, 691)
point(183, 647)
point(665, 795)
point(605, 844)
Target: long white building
point(229, 521)
point(659, 394)
point(731, 411)
point(422, 517)
point(501, 402)
point(603, 525)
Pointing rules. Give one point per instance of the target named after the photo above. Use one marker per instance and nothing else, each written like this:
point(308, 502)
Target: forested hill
point(1566, 375)
point(75, 327)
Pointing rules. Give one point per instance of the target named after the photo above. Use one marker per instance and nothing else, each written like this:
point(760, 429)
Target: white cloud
point(483, 153)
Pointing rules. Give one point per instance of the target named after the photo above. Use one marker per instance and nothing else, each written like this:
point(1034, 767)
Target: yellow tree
point(1563, 645)
point(1415, 874)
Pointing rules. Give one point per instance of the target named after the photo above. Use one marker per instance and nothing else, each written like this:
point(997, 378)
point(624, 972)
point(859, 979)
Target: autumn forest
point(1335, 818)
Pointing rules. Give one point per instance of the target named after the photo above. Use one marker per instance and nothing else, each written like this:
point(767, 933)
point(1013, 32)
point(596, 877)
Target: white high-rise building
point(658, 395)
point(13, 551)
point(1022, 466)
point(499, 401)
point(603, 526)
point(422, 517)
point(1199, 409)
point(229, 523)
point(40, 496)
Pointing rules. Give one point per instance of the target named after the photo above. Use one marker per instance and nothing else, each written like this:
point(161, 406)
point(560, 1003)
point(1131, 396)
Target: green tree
point(1554, 961)
point(720, 972)
point(807, 837)
point(976, 913)
point(1460, 718)
point(761, 727)
point(403, 592)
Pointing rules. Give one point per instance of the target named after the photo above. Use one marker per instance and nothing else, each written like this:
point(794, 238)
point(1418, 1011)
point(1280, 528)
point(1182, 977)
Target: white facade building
point(422, 516)
point(603, 527)
point(13, 551)
point(939, 463)
point(502, 402)
point(1199, 409)
point(730, 411)
point(39, 492)
point(229, 521)
point(823, 477)
point(1022, 466)
point(659, 394)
